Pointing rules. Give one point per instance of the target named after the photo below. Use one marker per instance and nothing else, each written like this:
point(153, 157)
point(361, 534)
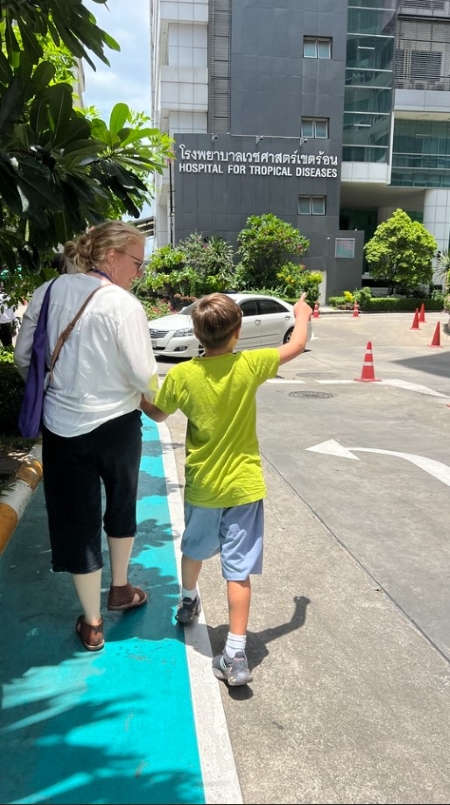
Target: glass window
point(309, 48)
point(367, 130)
point(314, 48)
point(270, 306)
point(344, 248)
point(367, 99)
point(421, 153)
point(324, 48)
point(318, 205)
point(315, 127)
point(307, 127)
point(304, 205)
point(311, 205)
point(322, 129)
point(249, 308)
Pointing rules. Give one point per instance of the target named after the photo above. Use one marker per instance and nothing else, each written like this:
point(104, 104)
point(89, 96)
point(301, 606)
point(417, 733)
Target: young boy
point(224, 484)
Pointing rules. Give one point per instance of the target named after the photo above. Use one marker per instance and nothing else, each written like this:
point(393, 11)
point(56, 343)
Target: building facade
point(330, 114)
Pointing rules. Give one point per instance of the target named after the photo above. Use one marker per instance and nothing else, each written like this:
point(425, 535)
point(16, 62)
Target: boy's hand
point(301, 308)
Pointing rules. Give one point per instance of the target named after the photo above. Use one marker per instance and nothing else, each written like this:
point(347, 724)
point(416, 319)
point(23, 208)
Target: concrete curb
point(15, 497)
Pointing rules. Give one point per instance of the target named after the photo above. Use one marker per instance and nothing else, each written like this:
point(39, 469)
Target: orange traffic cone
point(436, 342)
point(355, 310)
point(368, 371)
point(422, 312)
point(415, 324)
point(315, 314)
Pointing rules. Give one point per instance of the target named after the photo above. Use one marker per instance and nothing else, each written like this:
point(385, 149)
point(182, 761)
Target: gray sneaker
point(233, 670)
point(187, 610)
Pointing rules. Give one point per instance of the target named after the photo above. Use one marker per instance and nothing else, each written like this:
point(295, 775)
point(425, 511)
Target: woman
point(91, 418)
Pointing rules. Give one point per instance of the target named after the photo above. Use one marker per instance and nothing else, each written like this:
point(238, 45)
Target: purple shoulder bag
point(30, 416)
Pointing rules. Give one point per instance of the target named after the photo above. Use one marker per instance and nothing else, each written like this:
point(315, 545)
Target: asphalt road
point(349, 630)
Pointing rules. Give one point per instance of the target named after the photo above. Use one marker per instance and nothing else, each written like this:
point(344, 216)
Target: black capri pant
point(73, 471)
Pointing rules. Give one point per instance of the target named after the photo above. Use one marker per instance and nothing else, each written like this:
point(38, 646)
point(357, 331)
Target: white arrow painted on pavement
point(435, 468)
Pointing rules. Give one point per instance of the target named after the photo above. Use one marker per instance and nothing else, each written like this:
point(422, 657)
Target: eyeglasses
point(140, 264)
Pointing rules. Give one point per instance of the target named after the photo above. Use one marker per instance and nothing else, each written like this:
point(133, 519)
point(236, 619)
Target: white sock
point(188, 593)
point(235, 643)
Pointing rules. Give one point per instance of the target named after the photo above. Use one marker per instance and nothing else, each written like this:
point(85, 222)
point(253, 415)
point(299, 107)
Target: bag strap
point(43, 313)
point(65, 334)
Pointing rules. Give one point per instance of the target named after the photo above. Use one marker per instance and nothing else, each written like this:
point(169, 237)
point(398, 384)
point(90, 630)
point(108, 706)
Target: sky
point(128, 78)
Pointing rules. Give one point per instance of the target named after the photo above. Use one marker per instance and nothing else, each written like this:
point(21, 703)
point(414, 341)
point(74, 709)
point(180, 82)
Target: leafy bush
point(197, 266)
point(385, 304)
point(337, 301)
point(290, 279)
point(155, 308)
point(6, 354)
point(310, 284)
point(363, 296)
point(265, 246)
point(11, 393)
point(388, 304)
point(409, 304)
point(437, 296)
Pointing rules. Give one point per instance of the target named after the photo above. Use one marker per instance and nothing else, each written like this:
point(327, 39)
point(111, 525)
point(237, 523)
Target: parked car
point(266, 322)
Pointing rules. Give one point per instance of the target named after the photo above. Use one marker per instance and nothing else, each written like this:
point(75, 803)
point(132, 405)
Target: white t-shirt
point(106, 362)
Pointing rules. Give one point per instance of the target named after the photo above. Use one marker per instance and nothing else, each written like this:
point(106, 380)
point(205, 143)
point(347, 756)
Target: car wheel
point(287, 336)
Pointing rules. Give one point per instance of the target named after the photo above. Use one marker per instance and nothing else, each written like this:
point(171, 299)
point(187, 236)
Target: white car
point(266, 322)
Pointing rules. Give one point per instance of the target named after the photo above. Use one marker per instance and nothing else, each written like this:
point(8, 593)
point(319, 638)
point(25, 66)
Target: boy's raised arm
point(297, 342)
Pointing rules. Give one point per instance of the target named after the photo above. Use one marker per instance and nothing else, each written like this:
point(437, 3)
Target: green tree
point(401, 253)
point(60, 171)
point(264, 246)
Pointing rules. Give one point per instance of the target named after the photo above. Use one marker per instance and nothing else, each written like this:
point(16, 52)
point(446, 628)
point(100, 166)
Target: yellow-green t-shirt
point(218, 397)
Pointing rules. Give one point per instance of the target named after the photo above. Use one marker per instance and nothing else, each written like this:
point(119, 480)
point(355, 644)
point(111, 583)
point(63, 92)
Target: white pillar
point(436, 215)
point(436, 218)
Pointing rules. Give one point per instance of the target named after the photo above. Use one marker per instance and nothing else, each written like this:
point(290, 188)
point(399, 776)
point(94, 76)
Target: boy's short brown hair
point(216, 318)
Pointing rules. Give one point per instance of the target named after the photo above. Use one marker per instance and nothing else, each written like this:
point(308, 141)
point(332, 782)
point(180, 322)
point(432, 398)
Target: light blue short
point(235, 532)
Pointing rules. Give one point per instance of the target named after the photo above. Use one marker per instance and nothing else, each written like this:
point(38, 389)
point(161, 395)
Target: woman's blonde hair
point(216, 318)
point(91, 247)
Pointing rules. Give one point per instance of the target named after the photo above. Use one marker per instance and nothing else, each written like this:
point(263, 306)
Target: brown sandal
point(91, 636)
point(122, 597)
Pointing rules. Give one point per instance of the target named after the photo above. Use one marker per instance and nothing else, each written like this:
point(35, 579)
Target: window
point(270, 306)
point(344, 248)
point(249, 308)
point(315, 48)
point(311, 205)
point(315, 127)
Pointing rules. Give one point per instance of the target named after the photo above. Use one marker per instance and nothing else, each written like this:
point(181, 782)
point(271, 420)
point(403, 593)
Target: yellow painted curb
point(16, 495)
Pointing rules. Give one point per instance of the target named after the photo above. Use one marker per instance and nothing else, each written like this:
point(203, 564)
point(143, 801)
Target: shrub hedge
point(11, 393)
point(387, 304)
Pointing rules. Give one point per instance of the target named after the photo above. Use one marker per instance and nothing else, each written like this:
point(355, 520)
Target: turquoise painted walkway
point(114, 726)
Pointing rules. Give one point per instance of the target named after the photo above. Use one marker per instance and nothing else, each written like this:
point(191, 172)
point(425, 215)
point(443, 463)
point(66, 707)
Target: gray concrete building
point(330, 114)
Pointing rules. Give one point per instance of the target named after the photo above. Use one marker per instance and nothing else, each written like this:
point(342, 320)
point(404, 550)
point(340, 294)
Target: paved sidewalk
point(127, 724)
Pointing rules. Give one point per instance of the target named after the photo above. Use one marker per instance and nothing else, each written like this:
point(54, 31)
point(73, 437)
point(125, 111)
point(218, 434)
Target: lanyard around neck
point(102, 273)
